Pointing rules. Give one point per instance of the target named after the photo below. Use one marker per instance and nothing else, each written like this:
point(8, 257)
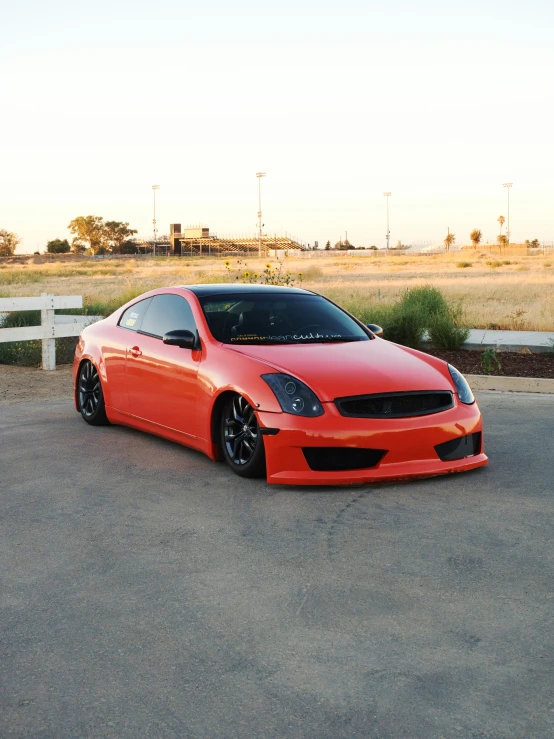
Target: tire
point(241, 441)
point(91, 397)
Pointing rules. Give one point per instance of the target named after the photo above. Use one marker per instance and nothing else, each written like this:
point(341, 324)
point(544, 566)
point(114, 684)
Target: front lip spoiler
point(403, 472)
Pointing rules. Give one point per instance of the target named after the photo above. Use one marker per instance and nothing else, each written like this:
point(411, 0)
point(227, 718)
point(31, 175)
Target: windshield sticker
point(288, 337)
point(130, 321)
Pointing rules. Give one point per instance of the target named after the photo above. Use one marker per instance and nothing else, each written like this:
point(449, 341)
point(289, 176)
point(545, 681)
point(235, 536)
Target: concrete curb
point(511, 384)
point(506, 341)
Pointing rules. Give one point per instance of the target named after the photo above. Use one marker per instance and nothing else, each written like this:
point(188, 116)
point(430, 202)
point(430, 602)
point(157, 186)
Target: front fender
point(84, 352)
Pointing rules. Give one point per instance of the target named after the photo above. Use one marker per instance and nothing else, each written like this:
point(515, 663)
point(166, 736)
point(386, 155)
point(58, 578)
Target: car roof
point(227, 289)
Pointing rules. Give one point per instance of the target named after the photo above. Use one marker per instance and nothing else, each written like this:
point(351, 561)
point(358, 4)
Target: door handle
point(135, 352)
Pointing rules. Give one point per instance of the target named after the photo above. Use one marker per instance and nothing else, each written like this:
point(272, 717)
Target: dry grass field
point(495, 292)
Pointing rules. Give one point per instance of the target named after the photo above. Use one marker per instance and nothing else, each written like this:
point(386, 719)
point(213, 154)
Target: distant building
point(196, 240)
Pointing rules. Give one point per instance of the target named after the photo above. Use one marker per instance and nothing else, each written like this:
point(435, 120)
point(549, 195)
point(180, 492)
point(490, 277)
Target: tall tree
point(328, 245)
point(58, 246)
point(502, 240)
point(116, 233)
point(502, 221)
point(475, 237)
point(8, 242)
point(449, 240)
point(88, 233)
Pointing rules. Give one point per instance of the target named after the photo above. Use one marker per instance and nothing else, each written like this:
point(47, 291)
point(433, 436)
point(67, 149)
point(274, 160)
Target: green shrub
point(440, 319)
point(406, 325)
point(445, 333)
point(420, 309)
point(426, 298)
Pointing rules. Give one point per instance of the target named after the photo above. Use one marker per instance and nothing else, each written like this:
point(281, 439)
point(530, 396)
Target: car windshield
point(278, 319)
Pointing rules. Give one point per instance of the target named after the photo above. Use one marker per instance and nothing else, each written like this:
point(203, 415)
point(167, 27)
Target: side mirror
point(375, 329)
point(181, 337)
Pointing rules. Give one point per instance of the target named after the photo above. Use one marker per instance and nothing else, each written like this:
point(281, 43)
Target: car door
point(161, 379)
point(114, 353)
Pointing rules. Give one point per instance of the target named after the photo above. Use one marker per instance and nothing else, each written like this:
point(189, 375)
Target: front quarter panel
point(88, 348)
point(223, 371)
point(98, 344)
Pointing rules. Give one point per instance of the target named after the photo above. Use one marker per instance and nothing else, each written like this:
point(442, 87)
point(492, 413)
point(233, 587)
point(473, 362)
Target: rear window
point(132, 317)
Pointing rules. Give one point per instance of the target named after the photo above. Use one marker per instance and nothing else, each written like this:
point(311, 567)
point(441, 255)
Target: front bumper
point(409, 444)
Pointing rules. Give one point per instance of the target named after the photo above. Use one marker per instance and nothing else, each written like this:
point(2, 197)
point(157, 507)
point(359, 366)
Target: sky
point(439, 103)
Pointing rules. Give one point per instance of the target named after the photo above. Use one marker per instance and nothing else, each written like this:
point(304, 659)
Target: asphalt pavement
point(148, 592)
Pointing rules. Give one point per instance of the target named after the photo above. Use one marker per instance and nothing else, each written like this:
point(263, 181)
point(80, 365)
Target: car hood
point(355, 368)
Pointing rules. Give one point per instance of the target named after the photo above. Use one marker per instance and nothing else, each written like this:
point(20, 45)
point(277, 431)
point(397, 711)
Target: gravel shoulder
point(22, 384)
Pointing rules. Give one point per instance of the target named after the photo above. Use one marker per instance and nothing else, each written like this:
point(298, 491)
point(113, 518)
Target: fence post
point(47, 322)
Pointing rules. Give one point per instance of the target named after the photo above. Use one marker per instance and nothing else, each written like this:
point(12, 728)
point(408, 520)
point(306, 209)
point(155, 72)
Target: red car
point(277, 381)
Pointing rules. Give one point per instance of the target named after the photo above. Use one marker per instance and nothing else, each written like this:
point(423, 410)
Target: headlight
point(462, 388)
point(293, 396)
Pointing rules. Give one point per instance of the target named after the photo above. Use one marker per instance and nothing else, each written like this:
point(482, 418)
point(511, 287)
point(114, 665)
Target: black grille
point(331, 458)
point(395, 405)
point(459, 448)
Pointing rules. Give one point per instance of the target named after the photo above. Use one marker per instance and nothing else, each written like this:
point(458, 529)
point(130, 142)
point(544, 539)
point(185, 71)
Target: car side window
point(132, 317)
point(167, 313)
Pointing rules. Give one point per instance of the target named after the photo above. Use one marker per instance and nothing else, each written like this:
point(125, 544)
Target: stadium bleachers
point(215, 245)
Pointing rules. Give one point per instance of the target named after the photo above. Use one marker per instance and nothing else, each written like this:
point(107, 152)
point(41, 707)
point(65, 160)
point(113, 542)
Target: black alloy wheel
point(91, 398)
point(241, 441)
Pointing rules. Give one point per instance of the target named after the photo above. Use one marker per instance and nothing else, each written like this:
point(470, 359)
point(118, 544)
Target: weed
point(494, 264)
point(490, 360)
point(463, 265)
point(271, 274)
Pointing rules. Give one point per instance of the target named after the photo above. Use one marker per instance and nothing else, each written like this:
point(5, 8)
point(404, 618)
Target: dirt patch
point(512, 364)
point(22, 384)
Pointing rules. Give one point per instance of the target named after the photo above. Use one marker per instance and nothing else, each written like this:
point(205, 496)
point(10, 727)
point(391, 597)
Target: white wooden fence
point(52, 326)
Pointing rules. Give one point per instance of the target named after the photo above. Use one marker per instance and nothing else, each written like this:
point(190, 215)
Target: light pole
point(259, 175)
point(387, 195)
point(154, 188)
point(507, 185)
